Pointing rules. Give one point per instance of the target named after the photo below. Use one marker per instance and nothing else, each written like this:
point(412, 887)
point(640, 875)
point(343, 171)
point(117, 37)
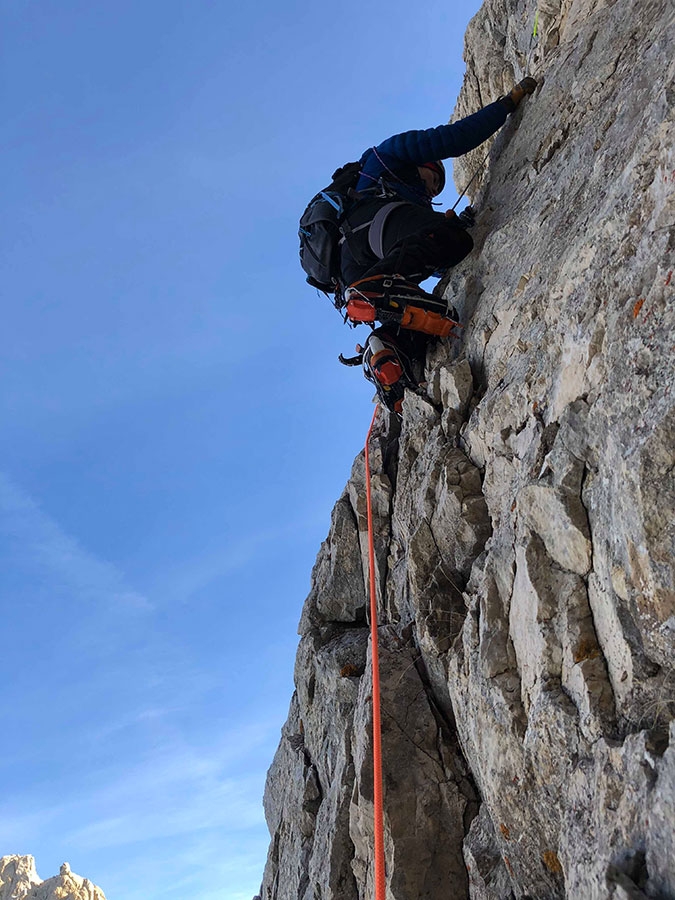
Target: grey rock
point(524, 518)
point(560, 520)
point(338, 590)
point(488, 876)
point(426, 786)
point(451, 386)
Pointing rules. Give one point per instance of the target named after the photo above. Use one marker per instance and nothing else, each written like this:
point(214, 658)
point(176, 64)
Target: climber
point(394, 238)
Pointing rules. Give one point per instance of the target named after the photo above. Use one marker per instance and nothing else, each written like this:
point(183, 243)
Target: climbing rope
point(473, 177)
point(380, 889)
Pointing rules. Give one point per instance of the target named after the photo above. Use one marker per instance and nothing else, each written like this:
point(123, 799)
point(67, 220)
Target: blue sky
point(176, 427)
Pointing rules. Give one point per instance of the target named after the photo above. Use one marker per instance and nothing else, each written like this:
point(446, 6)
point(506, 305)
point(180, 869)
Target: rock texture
point(20, 881)
point(525, 519)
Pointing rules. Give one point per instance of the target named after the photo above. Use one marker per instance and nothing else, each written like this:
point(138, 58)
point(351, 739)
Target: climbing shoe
point(388, 368)
point(393, 299)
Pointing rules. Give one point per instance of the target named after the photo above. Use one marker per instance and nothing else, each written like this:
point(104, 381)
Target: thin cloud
point(209, 865)
point(18, 829)
point(180, 791)
point(198, 805)
point(179, 583)
point(40, 545)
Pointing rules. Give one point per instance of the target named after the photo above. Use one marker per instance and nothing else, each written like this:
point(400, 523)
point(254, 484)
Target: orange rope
point(380, 889)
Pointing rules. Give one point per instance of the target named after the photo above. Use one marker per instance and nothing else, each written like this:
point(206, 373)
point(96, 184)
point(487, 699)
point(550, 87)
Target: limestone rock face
point(524, 516)
point(17, 877)
point(20, 881)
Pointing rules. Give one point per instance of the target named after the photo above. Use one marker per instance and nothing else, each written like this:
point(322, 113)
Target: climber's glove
point(515, 95)
point(467, 217)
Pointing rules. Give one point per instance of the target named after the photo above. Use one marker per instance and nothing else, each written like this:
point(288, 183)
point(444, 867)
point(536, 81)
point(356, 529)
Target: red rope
point(380, 889)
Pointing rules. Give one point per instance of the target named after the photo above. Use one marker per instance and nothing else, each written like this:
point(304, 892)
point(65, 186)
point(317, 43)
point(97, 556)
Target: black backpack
point(322, 227)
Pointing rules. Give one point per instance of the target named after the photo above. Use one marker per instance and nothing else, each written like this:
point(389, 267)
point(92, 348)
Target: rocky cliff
point(524, 514)
point(19, 880)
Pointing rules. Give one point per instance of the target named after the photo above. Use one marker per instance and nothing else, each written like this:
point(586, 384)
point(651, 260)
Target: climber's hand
point(467, 217)
point(516, 94)
point(526, 86)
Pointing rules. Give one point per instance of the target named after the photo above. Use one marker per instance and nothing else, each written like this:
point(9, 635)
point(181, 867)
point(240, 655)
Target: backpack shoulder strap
point(376, 230)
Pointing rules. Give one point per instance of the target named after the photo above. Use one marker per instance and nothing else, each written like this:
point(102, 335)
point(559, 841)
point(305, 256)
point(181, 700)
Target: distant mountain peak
point(19, 880)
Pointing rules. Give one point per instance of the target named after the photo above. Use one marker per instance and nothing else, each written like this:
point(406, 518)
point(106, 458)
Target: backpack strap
point(377, 224)
point(375, 228)
point(348, 233)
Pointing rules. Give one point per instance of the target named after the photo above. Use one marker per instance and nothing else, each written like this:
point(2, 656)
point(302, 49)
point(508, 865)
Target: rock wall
point(525, 518)
point(19, 880)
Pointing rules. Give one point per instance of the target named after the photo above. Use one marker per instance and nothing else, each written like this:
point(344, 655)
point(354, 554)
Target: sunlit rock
point(524, 517)
point(19, 881)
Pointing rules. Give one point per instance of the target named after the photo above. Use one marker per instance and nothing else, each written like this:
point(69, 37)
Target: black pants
point(416, 242)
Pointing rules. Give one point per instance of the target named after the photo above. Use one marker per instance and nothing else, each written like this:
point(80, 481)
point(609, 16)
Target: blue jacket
point(395, 160)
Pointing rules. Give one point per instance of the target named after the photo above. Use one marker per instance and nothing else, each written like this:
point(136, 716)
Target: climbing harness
point(391, 299)
point(378, 807)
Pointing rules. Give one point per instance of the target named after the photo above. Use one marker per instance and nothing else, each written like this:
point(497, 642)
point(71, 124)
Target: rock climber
point(395, 240)
point(406, 240)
